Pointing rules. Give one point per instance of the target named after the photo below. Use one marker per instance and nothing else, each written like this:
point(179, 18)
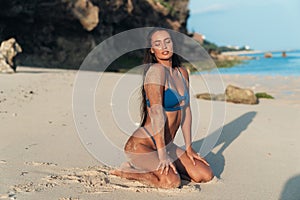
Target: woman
point(153, 157)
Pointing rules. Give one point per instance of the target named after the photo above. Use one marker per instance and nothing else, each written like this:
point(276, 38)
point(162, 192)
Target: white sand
point(42, 157)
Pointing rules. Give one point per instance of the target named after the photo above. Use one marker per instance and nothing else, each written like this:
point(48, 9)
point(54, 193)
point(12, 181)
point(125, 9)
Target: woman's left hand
point(193, 155)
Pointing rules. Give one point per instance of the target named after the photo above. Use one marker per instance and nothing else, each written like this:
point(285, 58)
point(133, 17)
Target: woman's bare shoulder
point(155, 74)
point(157, 67)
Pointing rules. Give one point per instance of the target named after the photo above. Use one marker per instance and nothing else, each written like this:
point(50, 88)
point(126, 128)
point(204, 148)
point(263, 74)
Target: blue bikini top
point(172, 98)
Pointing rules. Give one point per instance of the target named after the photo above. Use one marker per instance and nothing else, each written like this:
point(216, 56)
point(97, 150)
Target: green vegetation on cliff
point(210, 46)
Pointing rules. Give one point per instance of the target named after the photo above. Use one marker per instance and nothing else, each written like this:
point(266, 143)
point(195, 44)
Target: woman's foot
point(124, 167)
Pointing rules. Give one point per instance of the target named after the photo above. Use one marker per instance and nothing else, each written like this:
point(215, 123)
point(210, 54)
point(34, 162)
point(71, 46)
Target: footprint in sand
point(30, 145)
point(33, 163)
point(3, 162)
point(92, 180)
point(8, 196)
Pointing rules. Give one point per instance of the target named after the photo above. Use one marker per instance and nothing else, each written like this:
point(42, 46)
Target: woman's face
point(162, 45)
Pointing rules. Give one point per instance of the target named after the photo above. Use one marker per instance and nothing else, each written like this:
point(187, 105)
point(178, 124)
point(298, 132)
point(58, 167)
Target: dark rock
point(232, 94)
point(205, 96)
point(8, 50)
point(198, 37)
point(60, 33)
point(238, 95)
point(209, 96)
point(268, 55)
point(86, 13)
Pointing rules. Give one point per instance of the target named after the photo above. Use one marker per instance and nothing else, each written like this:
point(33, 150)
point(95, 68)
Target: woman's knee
point(203, 176)
point(208, 176)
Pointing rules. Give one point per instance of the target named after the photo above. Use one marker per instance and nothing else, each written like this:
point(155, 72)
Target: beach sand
point(42, 156)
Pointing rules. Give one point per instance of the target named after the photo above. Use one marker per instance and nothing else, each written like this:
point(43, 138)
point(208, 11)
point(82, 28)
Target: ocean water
point(277, 65)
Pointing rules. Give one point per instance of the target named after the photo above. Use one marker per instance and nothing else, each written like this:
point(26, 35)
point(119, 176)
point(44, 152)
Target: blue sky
point(261, 24)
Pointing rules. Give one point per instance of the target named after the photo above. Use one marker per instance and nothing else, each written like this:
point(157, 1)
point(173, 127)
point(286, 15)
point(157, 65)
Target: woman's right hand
point(165, 163)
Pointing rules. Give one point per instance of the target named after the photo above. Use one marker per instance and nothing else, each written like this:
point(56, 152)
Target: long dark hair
point(149, 59)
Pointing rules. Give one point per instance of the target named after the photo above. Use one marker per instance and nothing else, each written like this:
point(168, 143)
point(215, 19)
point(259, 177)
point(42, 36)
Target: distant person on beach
point(153, 158)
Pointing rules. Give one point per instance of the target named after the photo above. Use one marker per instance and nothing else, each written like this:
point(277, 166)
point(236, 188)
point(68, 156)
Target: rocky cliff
point(60, 33)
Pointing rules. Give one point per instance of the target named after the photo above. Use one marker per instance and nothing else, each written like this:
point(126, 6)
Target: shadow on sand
point(33, 72)
point(229, 133)
point(291, 189)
